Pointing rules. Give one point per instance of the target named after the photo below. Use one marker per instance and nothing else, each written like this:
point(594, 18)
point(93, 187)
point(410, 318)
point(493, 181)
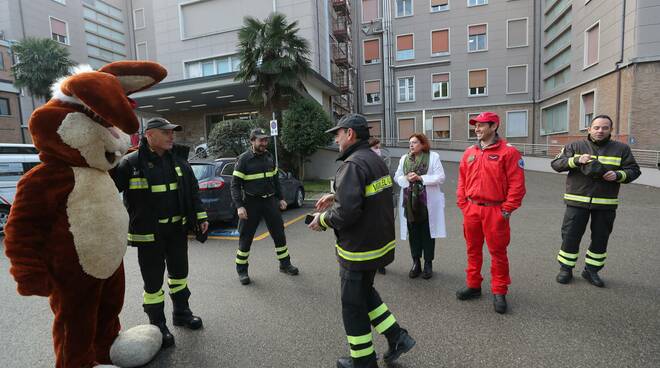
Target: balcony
point(341, 29)
point(341, 55)
point(342, 79)
point(341, 6)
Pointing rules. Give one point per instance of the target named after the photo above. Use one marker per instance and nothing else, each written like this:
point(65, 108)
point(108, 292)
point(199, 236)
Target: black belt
point(260, 195)
point(484, 204)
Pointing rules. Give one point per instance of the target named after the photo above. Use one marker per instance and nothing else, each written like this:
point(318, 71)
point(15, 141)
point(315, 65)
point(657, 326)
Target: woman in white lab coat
point(421, 203)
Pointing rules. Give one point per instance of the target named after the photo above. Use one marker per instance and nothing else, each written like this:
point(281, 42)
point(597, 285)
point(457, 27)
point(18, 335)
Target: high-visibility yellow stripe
point(377, 312)
point(153, 298)
point(173, 220)
point(242, 254)
point(138, 183)
point(571, 163)
point(283, 255)
point(378, 186)
point(365, 256)
point(159, 188)
point(241, 261)
point(605, 200)
point(174, 186)
point(178, 171)
point(177, 285)
point(387, 323)
point(261, 175)
point(624, 176)
point(566, 261)
point(322, 220)
point(568, 255)
point(281, 249)
point(202, 215)
point(607, 160)
point(141, 237)
point(596, 255)
point(362, 352)
point(357, 340)
point(164, 221)
point(577, 198)
point(593, 262)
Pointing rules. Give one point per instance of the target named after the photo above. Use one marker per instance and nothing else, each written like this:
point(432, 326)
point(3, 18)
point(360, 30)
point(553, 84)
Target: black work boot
point(156, 314)
point(182, 315)
point(565, 275)
point(287, 268)
point(468, 293)
point(346, 362)
point(591, 275)
point(382, 270)
point(428, 270)
point(243, 274)
point(416, 269)
point(499, 302)
point(402, 344)
point(168, 338)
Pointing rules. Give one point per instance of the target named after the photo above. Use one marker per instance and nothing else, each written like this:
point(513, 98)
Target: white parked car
point(12, 167)
point(201, 151)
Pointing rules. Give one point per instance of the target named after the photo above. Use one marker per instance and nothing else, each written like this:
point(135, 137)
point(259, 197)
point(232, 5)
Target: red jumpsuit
point(490, 181)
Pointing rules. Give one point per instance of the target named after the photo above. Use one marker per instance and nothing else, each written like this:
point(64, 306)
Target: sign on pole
point(273, 127)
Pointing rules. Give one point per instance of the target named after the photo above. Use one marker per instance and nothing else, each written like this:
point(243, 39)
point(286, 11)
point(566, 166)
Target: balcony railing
point(341, 28)
point(341, 55)
point(341, 6)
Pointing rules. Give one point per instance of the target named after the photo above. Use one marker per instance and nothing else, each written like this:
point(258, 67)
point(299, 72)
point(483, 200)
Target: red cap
point(486, 117)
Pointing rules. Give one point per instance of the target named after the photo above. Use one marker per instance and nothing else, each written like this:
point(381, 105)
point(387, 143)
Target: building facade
point(545, 66)
point(10, 112)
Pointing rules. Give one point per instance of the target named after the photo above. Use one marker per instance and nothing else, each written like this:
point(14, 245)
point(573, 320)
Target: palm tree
point(273, 59)
point(40, 61)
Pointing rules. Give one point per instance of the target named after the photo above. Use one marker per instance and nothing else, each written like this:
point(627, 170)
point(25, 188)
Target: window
point(138, 19)
point(440, 86)
point(404, 8)
point(374, 128)
point(221, 65)
point(477, 38)
point(516, 79)
point(440, 42)
point(141, 51)
point(404, 47)
point(471, 134)
point(516, 33)
point(372, 51)
point(228, 169)
point(407, 89)
point(554, 119)
point(370, 10)
point(4, 106)
point(476, 2)
point(441, 127)
point(587, 109)
point(516, 123)
point(372, 92)
point(557, 79)
point(2, 60)
point(591, 46)
point(478, 82)
point(58, 31)
point(406, 128)
point(439, 5)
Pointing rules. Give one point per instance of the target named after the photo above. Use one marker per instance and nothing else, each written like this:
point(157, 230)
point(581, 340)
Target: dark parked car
point(215, 176)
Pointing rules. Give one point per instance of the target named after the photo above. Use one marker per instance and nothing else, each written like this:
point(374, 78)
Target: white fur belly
point(98, 221)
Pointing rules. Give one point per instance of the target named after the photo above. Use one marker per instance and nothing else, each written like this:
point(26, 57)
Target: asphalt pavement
point(295, 321)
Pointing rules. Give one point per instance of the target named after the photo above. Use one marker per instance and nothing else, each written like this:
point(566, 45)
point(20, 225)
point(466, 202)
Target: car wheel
point(299, 199)
point(4, 215)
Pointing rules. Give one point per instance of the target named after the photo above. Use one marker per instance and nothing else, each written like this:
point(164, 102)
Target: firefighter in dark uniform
point(255, 189)
point(160, 194)
point(597, 166)
point(361, 213)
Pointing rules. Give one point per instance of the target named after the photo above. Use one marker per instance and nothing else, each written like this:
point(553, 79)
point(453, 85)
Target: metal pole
point(275, 142)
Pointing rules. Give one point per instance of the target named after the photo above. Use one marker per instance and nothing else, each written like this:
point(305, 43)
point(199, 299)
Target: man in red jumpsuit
point(491, 185)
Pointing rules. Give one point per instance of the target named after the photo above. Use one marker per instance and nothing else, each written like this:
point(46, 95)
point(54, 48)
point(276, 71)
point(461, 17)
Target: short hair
point(602, 116)
point(426, 146)
point(373, 141)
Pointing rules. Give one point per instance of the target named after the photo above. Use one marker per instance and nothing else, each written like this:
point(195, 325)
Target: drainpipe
point(618, 72)
point(537, 54)
point(388, 125)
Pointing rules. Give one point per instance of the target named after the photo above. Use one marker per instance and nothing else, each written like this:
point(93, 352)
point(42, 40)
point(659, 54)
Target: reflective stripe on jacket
point(586, 191)
point(254, 175)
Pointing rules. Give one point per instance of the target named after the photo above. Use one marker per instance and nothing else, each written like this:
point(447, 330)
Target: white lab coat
point(434, 177)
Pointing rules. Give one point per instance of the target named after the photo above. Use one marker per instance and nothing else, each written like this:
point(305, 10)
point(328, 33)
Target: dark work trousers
point(268, 209)
point(574, 226)
point(421, 243)
point(362, 308)
point(171, 249)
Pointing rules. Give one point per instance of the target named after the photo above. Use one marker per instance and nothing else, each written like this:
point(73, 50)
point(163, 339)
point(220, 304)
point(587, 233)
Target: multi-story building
point(94, 32)
point(545, 66)
point(197, 42)
point(10, 114)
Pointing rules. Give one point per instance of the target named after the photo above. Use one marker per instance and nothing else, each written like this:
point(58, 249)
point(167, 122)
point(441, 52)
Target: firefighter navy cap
point(486, 117)
point(258, 133)
point(356, 122)
point(160, 123)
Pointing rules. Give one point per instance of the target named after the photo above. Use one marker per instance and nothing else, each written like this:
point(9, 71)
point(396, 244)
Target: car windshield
point(202, 171)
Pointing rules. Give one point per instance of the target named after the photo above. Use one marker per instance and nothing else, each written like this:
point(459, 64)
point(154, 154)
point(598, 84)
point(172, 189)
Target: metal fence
point(645, 158)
